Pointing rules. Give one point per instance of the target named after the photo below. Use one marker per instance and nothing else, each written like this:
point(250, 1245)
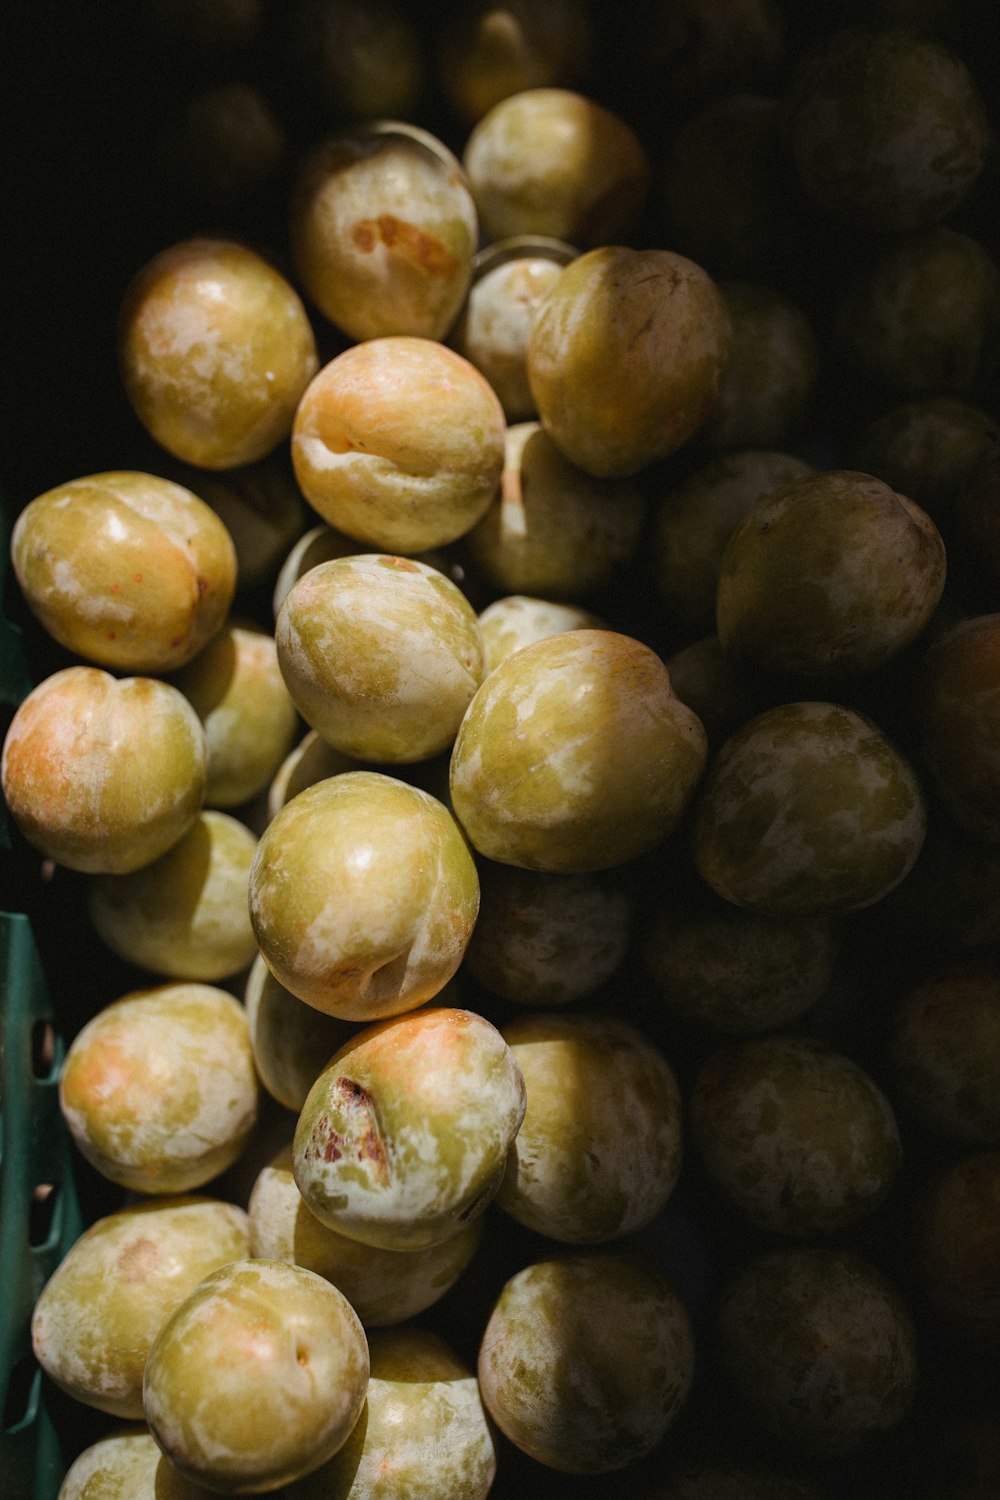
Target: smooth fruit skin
point(371, 463)
point(599, 1150)
point(291, 1041)
point(185, 915)
point(216, 351)
point(553, 162)
point(945, 1050)
point(404, 1135)
point(383, 231)
point(819, 1347)
point(104, 774)
point(960, 722)
point(626, 357)
point(585, 1361)
point(236, 687)
point(423, 1434)
point(835, 572)
point(158, 1090)
point(518, 619)
point(537, 774)
point(798, 1137)
point(257, 1378)
point(886, 129)
point(129, 1463)
point(385, 1287)
point(808, 809)
point(381, 655)
point(98, 1314)
point(126, 569)
point(363, 896)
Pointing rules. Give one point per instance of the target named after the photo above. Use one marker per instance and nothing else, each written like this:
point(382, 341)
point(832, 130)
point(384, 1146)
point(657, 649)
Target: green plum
point(363, 896)
point(257, 1378)
point(818, 1347)
point(586, 1360)
point(404, 1135)
point(158, 1090)
point(808, 809)
point(537, 775)
point(381, 655)
point(384, 1287)
point(798, 1137)
point(100, 1310)
point(599, 1150)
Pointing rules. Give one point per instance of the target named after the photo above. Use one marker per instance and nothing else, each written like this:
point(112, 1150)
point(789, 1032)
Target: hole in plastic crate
point(43, 1048)
point(41, 1214)
point(21, 1401)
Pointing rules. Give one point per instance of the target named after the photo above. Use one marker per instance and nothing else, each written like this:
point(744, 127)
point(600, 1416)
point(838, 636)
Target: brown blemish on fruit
point(359, 1140)
point(408, 239)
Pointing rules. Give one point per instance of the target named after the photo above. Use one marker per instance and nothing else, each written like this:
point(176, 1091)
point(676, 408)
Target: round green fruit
point(538, 778)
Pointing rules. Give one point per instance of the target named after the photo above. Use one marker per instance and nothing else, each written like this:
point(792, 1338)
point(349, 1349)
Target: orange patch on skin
point(408, 240)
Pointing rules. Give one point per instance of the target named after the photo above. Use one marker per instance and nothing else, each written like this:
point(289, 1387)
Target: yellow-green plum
point(236, 687)
point(886, 128)
point(798, 1137)
point(292, 1042)
point(626, 357)
point(373, 466)
point(104, 774)
point(384, 1287)
point(771, 371)
point(959, 716)
point(260, 506)
point(599, 1150)
point(185, 915)
point(537, 775)
point(510, 280)
point(818, 1347)
point(959, 1248)
point(215, 351)
point(404, 1136)
point(923, 318)
point(126, 569)
point(927, 449)
point(586, 1360)
point(423, 1433)
point(128, 1462)
point(546, 939)
point(319, 544)
point(714, 686)
point(158, 1090)
point(945, 1051)
point(311, 760)
point(515, 620)
point(381, 655)
point(487, 52)
point(99, 1312)
point(257, 1378)
point(808, 809)
point(735, 970)
point(831, 573)
point(552, 529)
point(363, 896)
point(695, 520)
point(383, 231)
point(555, 162)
